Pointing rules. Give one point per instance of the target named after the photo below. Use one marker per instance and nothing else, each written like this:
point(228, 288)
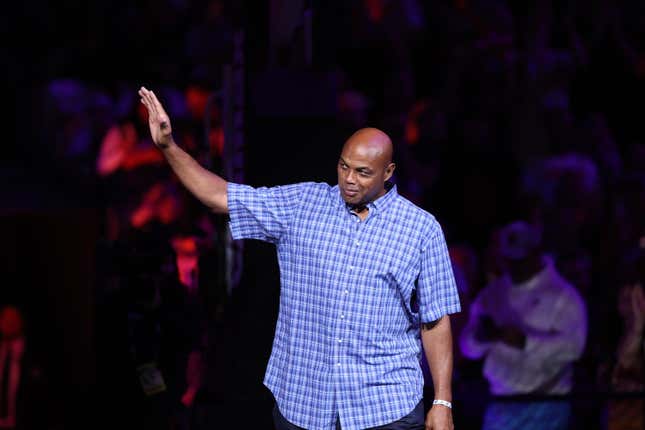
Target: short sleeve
point(436, 289)
point(263, 213)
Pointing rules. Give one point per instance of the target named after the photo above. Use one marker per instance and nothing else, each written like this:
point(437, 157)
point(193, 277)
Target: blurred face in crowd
point(631, 303)
point(11, 323)
point(364, 165)
point(521, 270)
point(187, 260)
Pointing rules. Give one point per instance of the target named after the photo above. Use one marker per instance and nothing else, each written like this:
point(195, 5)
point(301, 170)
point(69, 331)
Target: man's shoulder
point(309, 194)
point(566, 288)
point(305, 186)
point(301, 187)
point(316, 186)
point(312, 190)
point(423, 217)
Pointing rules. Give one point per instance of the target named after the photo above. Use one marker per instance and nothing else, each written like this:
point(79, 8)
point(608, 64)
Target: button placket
point(351, 264)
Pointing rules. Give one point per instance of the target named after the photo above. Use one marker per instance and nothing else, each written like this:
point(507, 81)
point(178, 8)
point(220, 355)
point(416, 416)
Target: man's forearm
point(437, 344)
point(205, 185)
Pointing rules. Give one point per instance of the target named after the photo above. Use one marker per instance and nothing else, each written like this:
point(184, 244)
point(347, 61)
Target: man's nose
point(351, 177)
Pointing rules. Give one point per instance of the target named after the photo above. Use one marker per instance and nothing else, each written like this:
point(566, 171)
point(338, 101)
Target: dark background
point(52, 216)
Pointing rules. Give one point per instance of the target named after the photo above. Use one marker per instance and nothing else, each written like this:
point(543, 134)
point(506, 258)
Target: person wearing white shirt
point(528, 326)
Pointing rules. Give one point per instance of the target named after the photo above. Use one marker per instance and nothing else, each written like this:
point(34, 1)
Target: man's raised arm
point(208, 187)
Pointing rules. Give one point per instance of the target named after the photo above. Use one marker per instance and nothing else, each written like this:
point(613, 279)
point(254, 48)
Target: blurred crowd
point(517, 124)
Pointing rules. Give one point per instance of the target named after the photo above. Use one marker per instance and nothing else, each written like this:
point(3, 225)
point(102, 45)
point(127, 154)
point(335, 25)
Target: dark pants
point(415, 420)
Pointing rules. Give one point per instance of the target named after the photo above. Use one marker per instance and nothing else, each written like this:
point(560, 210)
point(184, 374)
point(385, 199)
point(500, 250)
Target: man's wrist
point(165, 146)
point(445, 403)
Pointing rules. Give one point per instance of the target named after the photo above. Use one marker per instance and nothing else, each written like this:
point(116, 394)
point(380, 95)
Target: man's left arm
point(437, 344)
point(438, 297)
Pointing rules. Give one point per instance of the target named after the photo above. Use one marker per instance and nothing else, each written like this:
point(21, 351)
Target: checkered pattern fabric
point(347, 340)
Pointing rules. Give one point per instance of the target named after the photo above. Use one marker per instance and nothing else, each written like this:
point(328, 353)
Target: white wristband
point(442, 403)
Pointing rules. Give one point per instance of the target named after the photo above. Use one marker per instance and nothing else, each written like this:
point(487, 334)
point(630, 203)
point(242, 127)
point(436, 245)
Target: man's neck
point(361, 210)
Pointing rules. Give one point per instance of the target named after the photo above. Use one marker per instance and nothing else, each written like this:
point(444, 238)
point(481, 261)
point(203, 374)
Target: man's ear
point(389, 170)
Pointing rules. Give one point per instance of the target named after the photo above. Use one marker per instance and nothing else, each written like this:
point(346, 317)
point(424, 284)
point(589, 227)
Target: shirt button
point(351, 267)
point(340, 340)
point(357, 243)
point(342, 316)
point(346, 291)
point(338, 364)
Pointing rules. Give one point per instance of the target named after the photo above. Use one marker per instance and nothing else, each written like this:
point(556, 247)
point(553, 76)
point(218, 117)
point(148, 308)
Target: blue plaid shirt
point(347, 341)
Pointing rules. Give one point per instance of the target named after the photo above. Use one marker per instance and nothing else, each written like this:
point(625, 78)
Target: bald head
point(371, 142)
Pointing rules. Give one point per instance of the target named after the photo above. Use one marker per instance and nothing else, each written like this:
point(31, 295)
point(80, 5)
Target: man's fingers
point(142, 94)
point(155, 105)
point(159, 110)
point(156, 113)
point(145, 99)
point(152, 100)
point(149, 99)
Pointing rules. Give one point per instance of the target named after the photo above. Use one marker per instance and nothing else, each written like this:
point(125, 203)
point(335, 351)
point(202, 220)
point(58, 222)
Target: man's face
point(362, 171)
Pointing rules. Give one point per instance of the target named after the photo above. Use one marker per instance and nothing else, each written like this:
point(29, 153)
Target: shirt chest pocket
point(395, 260)
point(317, 250)
point(392, 271)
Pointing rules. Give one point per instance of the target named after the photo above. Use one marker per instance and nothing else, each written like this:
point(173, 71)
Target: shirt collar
point(386, 200)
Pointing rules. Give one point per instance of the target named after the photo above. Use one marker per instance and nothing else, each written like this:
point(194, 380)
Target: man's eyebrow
point(362, 168)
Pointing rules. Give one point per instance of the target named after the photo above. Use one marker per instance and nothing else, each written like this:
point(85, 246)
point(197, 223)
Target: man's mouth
point(350, 193)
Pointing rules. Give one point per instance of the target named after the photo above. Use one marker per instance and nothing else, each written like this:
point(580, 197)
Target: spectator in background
point(24, 404)
point(128, 165)
point(122, 146)
point(152, 333)
point(186, 247)
point(529, 326)
point(568, 191)
point(74, 114)
point(159, 204)
point(425, 136)
point(625, 224)
point(622, 374)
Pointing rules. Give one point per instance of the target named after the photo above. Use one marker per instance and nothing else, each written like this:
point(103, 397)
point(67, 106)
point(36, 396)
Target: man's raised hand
point(158, 120)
